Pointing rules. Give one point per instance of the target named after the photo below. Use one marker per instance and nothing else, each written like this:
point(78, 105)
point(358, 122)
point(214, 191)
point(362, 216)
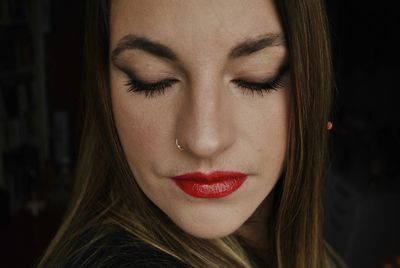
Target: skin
point(221, 126)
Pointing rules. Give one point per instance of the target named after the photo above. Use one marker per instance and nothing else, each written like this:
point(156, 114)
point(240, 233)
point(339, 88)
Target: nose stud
point(177, 145)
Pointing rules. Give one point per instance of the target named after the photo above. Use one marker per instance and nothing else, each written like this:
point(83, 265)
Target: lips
point(217, 184)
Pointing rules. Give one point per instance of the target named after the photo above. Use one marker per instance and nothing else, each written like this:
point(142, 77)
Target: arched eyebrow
point(250, 46)
point(242, 49)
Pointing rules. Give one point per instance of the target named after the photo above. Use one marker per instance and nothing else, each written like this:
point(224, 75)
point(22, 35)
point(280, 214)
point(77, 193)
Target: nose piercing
point(177, 145)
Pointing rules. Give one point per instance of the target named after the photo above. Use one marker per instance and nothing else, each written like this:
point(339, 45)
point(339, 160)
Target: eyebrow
point(244, 48)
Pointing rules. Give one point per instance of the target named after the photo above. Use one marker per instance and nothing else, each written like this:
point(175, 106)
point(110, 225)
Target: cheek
point(269, 138)
point(276, 131)
point(138, 130)
point(267, 127)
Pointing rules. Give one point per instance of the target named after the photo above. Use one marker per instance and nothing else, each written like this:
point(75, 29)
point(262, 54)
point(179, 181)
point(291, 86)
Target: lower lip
point(216, 189)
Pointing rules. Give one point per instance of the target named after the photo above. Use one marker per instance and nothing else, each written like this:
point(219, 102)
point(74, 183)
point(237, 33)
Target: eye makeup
point(151, 89)
point(265, 86)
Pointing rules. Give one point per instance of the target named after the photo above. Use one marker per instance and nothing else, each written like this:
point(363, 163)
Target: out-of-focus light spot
point(329, 125)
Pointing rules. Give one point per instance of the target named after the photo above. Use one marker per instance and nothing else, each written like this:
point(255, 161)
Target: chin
point(209, 233)
point(208, 226)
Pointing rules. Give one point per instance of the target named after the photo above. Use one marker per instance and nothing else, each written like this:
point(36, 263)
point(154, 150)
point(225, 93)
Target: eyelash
point(259, 88)
point(150, 89)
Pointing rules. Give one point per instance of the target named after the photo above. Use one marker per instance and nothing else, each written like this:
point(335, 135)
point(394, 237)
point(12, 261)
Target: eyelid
point(258, 81)
point(155, 83)
point(150, 88)
point(131, 74)
point(283, 70)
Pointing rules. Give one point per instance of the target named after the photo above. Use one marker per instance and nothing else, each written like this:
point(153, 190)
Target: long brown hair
point(106, 193)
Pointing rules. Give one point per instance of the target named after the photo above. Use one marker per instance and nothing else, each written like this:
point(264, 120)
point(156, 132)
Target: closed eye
point(149, 89)
point(159, 87)
point(259, 88)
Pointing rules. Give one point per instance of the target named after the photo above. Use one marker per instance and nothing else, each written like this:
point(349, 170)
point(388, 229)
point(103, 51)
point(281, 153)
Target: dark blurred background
point(40, 87)
point(40, 120)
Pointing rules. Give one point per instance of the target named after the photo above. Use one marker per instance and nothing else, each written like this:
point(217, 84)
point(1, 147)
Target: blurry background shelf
point(40, 84)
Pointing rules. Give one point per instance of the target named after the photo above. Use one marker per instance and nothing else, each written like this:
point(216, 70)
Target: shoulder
point(118, 248)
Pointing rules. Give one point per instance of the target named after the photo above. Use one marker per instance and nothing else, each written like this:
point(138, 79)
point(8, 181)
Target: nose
point(204, 125)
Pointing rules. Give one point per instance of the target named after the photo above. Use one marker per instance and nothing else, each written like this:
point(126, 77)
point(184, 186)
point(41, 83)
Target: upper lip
point(210, 177)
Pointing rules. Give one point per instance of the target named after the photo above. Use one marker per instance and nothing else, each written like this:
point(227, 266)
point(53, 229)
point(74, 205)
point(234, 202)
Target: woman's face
point(223, 95)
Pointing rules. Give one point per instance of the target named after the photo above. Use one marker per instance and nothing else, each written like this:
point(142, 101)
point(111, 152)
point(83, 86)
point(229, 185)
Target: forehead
point(190, 25)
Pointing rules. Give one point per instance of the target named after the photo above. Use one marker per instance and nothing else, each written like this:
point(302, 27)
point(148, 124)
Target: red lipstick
point(214, 185)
